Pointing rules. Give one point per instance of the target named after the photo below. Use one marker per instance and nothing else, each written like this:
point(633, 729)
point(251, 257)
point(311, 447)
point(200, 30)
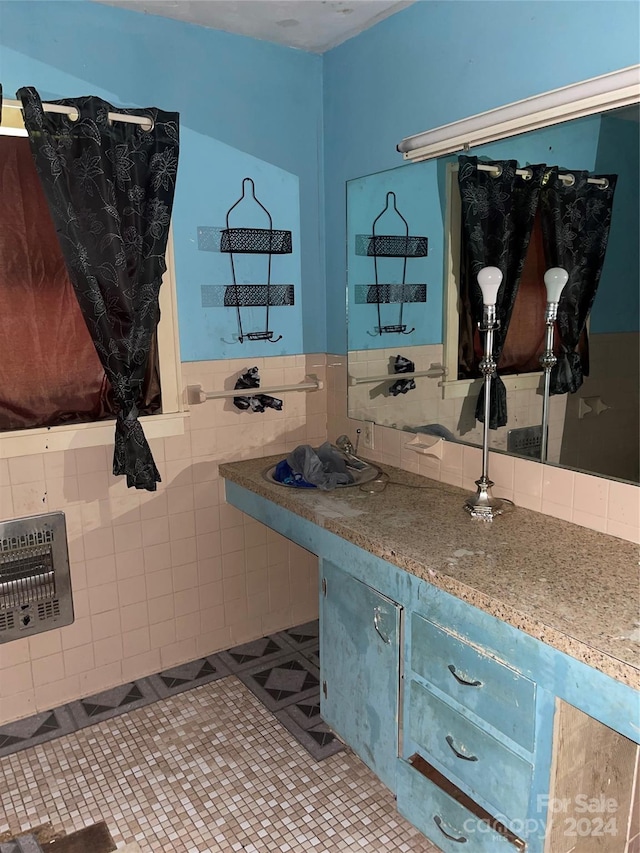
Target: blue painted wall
point(617, 304)
point(436, 62)
point(247, 107)
point(306, 123)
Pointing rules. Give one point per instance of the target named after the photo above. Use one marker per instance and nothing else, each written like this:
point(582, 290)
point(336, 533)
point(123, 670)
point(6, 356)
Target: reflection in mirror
point(595, 429)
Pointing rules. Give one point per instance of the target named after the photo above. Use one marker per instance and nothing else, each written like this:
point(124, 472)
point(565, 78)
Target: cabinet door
point(360, 669)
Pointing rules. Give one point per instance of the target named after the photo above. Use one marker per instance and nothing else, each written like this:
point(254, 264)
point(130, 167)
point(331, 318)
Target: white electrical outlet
point(367, 435)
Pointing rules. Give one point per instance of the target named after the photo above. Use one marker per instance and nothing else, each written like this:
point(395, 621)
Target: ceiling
point(312, 25)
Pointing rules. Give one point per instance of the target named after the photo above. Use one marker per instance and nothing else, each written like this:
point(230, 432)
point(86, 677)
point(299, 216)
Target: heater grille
point(525, 441)
point(29, 538)
point(35, 588)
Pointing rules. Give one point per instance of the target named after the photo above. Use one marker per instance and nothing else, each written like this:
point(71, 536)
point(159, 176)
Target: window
point(530, 302)
point(54, 392)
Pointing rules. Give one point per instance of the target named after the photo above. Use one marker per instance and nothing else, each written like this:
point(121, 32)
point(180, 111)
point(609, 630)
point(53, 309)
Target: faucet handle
point(344, 443)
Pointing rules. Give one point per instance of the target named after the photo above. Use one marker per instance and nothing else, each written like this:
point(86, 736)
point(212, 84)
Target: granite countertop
point(573, 588)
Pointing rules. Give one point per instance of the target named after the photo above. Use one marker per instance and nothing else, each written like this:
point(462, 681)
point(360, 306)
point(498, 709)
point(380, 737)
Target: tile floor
point(205, 768)
point(209, 770)
point(282, 670)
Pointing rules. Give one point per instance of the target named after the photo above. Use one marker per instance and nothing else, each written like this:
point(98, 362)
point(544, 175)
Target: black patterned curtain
point(110, 187)
point(576, 219)
point(498, 212)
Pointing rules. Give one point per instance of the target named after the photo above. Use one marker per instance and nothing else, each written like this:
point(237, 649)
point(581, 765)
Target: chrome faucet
point(343, 442)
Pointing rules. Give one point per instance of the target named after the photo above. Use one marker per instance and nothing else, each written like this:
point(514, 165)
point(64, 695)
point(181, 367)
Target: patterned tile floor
point(282, 670)
point(209, 770)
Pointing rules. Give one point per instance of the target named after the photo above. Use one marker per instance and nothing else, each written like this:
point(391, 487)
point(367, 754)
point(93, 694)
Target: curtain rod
point(74, 115)
point(569, 180)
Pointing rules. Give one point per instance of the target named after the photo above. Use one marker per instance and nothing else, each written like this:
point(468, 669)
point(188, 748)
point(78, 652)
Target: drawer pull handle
point(438, 823)
point(457, 752)
point(461, 680)
point(376, 624)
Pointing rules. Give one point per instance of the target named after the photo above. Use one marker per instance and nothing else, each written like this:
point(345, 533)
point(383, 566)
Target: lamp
point(483, 505)
point(555, 280)
point(617, 89)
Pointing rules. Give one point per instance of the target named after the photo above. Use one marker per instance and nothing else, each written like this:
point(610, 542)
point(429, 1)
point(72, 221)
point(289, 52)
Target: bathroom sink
point(360, 476)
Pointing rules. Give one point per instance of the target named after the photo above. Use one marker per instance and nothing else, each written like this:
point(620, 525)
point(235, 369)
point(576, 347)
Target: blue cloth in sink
point(284, 474)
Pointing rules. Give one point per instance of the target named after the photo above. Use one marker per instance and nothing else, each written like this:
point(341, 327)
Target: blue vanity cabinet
point(452, 821)
point(471, 721)
point(360, 668)
point(467, 772)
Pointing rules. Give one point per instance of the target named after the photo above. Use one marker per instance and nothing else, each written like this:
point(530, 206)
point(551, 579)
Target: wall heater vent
point(35, 587)
point(525, 441)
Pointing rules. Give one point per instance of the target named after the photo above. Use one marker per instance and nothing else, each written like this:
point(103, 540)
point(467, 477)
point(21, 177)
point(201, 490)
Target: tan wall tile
point(176, 653)
point(163, 634)
point(161, 609)
point(17, 705)
point(106, 624)
point(42, 645)
point(102, 598)
point(140, 665)
point(78, 659)
point(57, 693)
point(47, 669)
point(135, 643)
point(16, 679)
point(134, 616)
point(101, 678)
point(77, 634)
point(14, 653)
point(132, 590)
point(107, 651)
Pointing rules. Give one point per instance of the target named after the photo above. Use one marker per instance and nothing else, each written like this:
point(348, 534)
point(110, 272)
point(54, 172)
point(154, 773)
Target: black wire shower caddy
point(255, 241)
point(402, 246)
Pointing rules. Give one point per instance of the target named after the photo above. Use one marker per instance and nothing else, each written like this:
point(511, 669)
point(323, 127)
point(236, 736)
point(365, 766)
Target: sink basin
point(360, 476)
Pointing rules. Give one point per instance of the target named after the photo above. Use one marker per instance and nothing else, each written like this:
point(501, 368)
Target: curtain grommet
point(568, 179)
point(148, 126)
point(496, 172)
point(604, 185)
point(527, 174)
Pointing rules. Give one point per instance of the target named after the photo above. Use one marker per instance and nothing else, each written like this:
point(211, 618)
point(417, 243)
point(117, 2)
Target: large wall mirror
point(403, 231)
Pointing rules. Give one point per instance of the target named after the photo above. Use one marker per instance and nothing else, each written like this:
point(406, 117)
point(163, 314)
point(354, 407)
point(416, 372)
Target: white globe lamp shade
point(489, 279)
point(555, 280)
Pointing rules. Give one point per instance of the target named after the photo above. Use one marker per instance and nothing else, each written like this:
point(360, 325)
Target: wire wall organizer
point(246, 295)
point(255, 241)
point(387, 294)
point(402, 246)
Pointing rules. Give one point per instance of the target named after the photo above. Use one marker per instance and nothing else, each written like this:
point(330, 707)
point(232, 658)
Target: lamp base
point(483, 505)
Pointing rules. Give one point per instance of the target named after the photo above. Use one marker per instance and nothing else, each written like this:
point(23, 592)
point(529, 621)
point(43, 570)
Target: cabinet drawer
point(446, 815)
point(487, 766)
point(490, 689)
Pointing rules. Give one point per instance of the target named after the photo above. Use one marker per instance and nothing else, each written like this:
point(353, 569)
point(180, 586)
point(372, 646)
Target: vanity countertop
point(573, 588)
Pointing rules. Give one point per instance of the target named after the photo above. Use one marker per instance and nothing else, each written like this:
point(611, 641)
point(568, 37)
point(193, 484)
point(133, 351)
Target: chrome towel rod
point(195, 394)
point(434, 372)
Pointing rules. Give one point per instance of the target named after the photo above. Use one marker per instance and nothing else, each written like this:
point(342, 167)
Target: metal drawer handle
point(457, 752)
point(461, 680)
point(376, 624)
point(438, 823)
